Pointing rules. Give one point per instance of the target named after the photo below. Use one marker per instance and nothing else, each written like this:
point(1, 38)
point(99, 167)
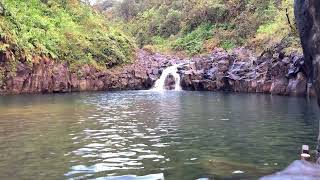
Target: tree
point(127, 9)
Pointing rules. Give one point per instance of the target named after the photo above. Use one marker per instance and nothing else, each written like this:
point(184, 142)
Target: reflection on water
point(151, 135)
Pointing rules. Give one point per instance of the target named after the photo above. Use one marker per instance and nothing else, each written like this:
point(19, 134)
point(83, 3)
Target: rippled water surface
point(146, 135)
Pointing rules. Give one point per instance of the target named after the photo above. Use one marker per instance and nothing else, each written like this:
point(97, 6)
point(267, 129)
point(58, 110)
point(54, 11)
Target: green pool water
point(178, 135)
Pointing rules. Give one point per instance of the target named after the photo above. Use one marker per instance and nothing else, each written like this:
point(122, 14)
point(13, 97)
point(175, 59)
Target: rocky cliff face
point(308, 23)
point(47, 76)
point(241, 71)
point(236, 71)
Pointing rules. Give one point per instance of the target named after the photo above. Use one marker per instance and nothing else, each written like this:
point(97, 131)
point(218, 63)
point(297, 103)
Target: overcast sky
point(92, 1)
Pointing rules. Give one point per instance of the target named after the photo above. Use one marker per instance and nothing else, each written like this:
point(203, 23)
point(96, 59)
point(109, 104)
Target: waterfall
point(172, 70)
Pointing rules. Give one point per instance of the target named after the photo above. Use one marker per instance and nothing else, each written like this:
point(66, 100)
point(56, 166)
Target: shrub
point(252, 23)
point(205, 12)
point(64, 30)
point(171, 24)
point(228, 44)
point(278, 29)
point(193, 42)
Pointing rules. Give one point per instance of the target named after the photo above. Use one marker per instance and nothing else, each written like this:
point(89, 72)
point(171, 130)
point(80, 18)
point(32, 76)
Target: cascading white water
point(172, 70)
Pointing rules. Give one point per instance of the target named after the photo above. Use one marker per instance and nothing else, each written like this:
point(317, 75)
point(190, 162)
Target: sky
point(92, 1)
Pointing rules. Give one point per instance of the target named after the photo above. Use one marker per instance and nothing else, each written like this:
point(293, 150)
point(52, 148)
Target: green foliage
point(179, 24)
point(71, 31)
point(171, 25)
point(65, 30)
point(3, 47)
point(161, 44)
point(127, 9)
point(193, 42)
point(228, 44)
point(212, 11)
point(278, 29)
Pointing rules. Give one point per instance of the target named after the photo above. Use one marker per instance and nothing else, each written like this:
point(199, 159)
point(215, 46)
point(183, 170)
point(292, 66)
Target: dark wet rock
point(308, 19)
point(211, 73)
point(279, 86)
point(170, 83)
point(48, 76)
point(236, 71)
point(286, 60)
point(297, 86)
point(241, 71)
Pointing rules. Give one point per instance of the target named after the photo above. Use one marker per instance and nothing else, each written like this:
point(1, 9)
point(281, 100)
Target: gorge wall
point(236, 71)
point(308, 23)
point(241, 71)
point(48, 76)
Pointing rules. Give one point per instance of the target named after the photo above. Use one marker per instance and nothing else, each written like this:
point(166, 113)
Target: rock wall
point(308, 23)
point(48, 76)
point(236, 71)
point(241, 71)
